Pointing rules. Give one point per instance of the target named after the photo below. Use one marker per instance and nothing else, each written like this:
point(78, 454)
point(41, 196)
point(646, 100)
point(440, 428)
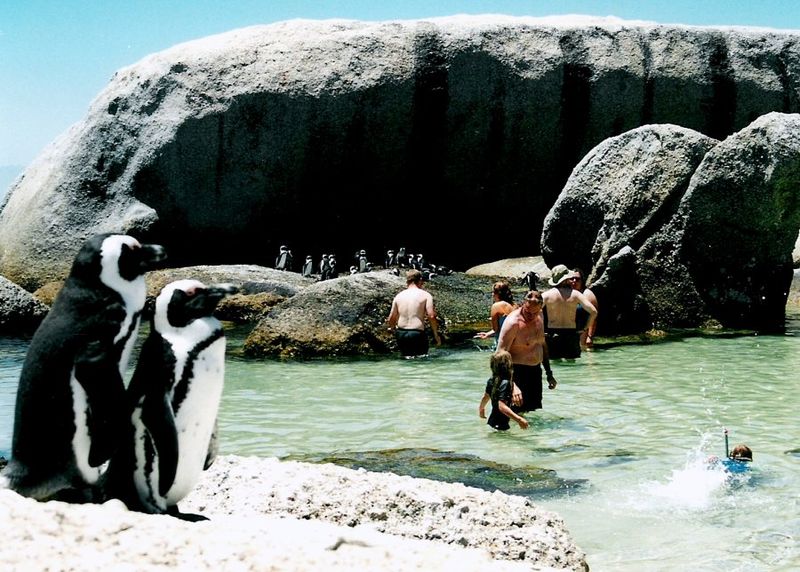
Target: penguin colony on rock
point(79, 434)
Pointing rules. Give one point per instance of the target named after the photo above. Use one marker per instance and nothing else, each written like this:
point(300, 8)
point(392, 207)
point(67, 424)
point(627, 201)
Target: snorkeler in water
point(737, 460)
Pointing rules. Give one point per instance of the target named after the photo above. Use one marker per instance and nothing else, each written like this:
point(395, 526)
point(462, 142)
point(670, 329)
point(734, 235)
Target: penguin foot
point(84, 495)
point(187, 516)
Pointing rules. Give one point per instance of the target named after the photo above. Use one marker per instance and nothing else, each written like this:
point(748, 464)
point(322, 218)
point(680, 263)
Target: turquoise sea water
point(620, 445)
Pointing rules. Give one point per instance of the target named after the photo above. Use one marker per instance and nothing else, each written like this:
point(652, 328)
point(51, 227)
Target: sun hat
point(561, 273)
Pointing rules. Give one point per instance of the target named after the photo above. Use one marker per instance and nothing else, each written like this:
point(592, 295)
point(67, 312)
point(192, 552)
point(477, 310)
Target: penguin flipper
point(158, 417)
point(97, 370)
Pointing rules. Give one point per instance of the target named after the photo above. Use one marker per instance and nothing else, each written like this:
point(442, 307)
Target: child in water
point(738, 459)
point(498, 391)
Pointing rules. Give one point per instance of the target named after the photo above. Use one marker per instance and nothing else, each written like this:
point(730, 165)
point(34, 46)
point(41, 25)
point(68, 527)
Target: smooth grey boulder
point(347, 315)
point(620, 194)
point(340, 316)
point(735, 229)
point(19, 311)
point(249, 278)
point(673, 241)
point(224, 148)
point(259, 288)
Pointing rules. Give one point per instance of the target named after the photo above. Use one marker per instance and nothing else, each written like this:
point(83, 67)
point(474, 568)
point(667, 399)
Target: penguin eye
point(191, 291)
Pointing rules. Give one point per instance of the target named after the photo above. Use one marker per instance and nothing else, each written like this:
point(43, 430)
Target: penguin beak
point(219, 291)
point(135, 260)
point(208, 298)
point(151, 256)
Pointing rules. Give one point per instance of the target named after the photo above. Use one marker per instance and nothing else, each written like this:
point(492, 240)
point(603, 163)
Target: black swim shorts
point(563, 343)
point(529, 380)
point(412, 342)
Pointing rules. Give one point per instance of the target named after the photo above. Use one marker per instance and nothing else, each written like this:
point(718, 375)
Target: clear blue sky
point(56, 55)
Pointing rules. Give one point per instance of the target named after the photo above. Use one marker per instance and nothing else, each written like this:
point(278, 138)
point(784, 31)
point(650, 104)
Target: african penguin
point(71, 392)
point(174, 396)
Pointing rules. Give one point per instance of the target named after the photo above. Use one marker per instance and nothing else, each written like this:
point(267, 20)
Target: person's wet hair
point(502, 368)
point(413, 276)
point(503, 290)
point(741, 453)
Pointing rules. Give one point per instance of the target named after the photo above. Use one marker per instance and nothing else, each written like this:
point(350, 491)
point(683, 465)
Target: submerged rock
point(532, 482)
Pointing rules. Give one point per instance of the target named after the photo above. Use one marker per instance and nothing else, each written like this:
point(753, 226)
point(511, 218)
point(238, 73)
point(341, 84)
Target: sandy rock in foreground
point(63, 537)
point(271, 515)
point(507, 527)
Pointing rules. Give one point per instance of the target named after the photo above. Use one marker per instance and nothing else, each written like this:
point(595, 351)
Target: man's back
point(413, 304)
point(561, 304)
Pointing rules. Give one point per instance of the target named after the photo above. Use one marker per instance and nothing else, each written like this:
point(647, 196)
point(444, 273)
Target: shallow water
point(621, 441)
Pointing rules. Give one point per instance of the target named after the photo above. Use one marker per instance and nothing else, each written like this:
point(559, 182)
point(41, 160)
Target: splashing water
point(698, 485)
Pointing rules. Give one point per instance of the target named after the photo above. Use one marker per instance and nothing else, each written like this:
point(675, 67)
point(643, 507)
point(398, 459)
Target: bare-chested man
point(409, 310)
point(522, 335)
point(561, 303)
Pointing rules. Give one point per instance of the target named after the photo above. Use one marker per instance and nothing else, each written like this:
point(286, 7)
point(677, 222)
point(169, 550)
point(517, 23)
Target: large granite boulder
point(347, 315)
point(515, 270)
point(734, 230)
point(260, 288)
point(224, 148)
point(20, 311)
point(681, 231)
point(341, 316)
point(619, 193)
point(623, 191)
point(267, 514)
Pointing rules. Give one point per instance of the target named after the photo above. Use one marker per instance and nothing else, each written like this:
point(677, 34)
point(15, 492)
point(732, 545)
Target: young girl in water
point(498, 391)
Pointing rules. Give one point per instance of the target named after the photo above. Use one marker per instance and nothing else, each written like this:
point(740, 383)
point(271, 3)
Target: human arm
point(551, 380)
point(482, 406)
point(433, 320)
point(394, 315)
point(496, 313)
point(591, 329)
point(508, 412)
point(586, 304)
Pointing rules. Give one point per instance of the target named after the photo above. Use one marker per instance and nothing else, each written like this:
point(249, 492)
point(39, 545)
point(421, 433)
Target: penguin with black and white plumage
point(390, 259)
point(308, 267)
point(173, 400)
point(362, 261)
point(71, 392)
point(332, 273)
point(324, 267)
point(282, 260)
point(402, 257)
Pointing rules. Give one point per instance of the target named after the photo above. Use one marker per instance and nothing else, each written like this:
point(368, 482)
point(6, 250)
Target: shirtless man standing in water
point(561, 303)
point(407, 317)
point(522, 335)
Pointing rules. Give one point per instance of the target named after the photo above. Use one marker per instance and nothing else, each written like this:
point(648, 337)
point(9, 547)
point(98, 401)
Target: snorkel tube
point(725, 432)
point(737, 463)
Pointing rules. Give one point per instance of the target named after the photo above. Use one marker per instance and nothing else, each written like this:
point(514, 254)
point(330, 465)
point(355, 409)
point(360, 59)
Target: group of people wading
point(556, 323)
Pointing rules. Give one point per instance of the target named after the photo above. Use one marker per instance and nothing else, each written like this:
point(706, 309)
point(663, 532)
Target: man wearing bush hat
point(560, 304)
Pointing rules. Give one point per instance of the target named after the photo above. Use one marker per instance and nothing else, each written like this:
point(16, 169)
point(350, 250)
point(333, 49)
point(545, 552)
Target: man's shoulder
point(513, 317)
